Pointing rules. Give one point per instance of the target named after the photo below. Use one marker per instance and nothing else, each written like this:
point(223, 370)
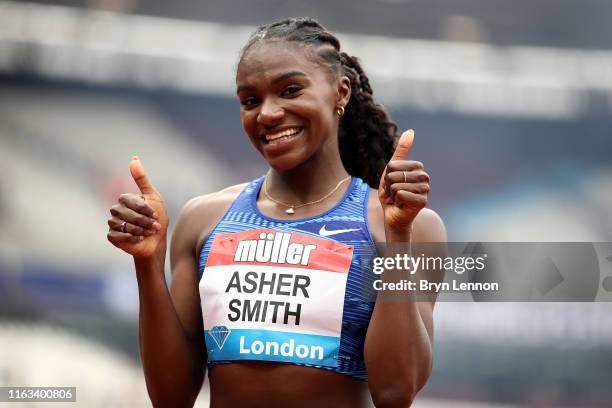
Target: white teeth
point(284, 134)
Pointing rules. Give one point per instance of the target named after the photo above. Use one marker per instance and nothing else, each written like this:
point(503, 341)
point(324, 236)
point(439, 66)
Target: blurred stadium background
point(512, 106)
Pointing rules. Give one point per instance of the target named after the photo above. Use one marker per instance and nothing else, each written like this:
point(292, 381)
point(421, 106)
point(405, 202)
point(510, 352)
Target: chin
point(285, 162)
point(282, 165)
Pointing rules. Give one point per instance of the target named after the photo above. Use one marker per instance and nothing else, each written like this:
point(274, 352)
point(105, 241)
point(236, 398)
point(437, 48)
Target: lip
point(280, 129)
point(277, 147)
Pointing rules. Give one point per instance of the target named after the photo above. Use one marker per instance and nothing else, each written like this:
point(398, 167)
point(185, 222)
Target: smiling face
point(288, 99)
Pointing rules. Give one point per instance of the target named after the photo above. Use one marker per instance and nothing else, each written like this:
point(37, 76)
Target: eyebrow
point(276, 80)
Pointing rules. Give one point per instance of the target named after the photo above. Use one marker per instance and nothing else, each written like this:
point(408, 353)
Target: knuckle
point(143, 221)
point(145, 208)
point(140, 219)
point(392, 165)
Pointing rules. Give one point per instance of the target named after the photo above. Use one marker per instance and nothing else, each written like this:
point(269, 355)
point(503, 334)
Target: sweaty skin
point(279, 88)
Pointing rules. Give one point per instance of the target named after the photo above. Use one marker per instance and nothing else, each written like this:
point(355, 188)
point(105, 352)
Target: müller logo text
point(274, 248)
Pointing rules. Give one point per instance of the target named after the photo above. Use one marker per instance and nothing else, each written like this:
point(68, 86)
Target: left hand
point(403, 187)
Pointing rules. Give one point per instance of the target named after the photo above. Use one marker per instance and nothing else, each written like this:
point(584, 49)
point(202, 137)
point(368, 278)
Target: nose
point(270, 113)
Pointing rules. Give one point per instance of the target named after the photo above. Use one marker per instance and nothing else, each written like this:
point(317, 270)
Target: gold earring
point(340, 111)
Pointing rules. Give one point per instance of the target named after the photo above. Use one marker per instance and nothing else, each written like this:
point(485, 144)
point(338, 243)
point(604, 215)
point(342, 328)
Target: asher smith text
point(269, 248)
point(267, 283)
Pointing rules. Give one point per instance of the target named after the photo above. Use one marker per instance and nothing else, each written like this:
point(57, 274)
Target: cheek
point(324, 121)
point(317, 114)
point(326, 110)
point(248, 122)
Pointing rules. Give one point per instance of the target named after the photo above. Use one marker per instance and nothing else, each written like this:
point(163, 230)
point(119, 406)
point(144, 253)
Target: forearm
point(398, 347)
point(173, 371)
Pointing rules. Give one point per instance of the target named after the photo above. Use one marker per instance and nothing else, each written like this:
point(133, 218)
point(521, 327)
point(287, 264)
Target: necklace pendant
point(290, 210)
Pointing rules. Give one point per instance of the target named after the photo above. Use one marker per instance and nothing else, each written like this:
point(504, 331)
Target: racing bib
point(274, 296)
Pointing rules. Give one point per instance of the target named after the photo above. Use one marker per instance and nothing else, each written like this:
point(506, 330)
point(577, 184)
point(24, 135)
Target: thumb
point(404, 145)
point(140, 177)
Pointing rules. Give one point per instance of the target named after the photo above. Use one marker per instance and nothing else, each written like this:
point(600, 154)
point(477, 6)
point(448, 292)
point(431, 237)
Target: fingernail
point(135, 158)
point(140, 238)
point(157, 225)
point(155, 215)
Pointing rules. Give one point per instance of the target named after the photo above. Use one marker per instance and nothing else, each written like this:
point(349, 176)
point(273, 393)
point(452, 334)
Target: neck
point(309, 181)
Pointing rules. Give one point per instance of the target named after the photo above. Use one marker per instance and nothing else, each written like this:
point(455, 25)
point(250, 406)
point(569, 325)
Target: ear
point(344, 91)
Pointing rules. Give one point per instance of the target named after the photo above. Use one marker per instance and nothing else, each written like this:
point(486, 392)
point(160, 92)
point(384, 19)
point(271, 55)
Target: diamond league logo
point(546, 272)
point(219, 334)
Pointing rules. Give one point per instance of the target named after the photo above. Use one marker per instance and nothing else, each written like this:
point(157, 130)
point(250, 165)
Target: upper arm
point(183, 262)
point(429, 238)
point(429, 230)
point(195, 223)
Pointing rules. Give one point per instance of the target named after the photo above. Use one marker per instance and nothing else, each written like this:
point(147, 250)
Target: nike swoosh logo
point(326, 233)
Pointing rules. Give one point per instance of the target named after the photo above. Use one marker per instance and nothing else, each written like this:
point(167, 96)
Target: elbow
point(397, 383)
point(172, 396)
point(172, 401)
point(394, 397)
point(400, 392)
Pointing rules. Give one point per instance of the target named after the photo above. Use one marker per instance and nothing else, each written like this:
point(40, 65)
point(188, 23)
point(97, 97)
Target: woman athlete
point(265, 275)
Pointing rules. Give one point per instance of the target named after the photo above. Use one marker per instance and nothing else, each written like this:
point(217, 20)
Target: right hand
point(145, 217)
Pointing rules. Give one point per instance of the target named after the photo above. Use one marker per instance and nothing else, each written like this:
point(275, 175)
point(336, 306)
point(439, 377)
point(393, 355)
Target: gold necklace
point(290, 207)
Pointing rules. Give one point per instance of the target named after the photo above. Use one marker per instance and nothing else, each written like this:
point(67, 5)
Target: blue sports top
point(271, 289)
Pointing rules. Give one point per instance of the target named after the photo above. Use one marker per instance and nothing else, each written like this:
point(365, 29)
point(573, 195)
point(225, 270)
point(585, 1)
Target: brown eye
point(249, 101)
point(291, 90)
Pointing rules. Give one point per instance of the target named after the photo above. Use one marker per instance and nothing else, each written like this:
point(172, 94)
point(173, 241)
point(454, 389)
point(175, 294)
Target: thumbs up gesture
point(138, 223)
point(403, 186)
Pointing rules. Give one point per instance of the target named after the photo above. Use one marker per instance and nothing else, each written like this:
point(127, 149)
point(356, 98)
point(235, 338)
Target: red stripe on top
point(328, 255)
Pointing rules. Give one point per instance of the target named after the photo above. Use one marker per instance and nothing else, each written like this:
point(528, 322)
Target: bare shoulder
point(428, 225)
point(212, 202)
point(200, 215)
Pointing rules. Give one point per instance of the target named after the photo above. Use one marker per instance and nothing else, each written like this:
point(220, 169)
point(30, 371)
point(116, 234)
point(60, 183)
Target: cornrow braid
point(367, 135)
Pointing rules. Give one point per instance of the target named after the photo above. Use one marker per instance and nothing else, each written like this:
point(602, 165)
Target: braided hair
point(366, 134)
